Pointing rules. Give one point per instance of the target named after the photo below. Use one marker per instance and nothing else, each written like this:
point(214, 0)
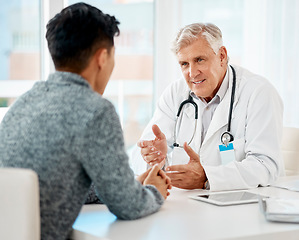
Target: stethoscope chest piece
point(226, 138)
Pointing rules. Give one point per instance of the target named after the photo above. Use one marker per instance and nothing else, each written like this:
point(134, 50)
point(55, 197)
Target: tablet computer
point(227, 198)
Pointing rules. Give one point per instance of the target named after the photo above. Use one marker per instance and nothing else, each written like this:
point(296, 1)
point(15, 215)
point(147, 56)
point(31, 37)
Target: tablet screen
point(228, 198)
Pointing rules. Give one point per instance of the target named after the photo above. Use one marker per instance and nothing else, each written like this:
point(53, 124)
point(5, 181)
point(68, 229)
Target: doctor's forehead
point(193, 54)
point(195, 50)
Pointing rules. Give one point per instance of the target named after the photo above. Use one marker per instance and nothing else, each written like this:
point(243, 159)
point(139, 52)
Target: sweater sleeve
point(106, 163)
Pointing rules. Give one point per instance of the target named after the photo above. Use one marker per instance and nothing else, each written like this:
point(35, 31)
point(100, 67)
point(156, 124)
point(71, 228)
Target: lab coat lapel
point(220, 117)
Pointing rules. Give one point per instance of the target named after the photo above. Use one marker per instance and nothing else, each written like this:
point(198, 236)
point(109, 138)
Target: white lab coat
point(257, 122)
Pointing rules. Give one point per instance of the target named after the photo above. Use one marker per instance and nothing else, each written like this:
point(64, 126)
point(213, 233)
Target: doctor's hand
point(155, 176)
point(188, 176)
point(154, 151)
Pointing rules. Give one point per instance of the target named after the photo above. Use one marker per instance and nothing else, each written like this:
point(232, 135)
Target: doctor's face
point(202, 69)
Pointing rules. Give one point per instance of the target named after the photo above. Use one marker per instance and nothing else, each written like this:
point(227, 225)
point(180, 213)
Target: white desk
point(182, 218)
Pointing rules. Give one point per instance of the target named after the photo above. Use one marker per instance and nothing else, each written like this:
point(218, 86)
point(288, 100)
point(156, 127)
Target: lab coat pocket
point(239, 149)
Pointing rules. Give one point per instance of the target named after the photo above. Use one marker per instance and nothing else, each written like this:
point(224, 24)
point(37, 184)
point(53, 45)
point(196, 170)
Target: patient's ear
point(101, 56)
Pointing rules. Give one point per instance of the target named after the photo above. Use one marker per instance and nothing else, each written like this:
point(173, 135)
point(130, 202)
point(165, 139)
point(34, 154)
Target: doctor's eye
point(199, 59)
point(184, 64)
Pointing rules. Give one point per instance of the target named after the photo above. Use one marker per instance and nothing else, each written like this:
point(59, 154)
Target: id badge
point(227, 154)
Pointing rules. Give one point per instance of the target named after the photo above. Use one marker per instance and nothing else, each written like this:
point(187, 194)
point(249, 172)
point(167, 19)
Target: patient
point(70, 135)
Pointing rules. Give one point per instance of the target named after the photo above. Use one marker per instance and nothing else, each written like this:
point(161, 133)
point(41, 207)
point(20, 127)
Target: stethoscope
point(226, 137)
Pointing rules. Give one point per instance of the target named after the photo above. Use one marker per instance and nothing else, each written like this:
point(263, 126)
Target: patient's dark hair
point(76, 33)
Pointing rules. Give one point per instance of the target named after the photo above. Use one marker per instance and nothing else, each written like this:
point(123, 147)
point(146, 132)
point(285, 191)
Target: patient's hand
point(155, 176)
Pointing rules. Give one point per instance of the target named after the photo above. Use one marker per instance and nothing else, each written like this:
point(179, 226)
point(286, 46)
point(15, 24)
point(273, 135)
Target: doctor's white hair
point(188, 34)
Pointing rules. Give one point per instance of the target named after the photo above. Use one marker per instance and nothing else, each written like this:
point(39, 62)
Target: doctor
point(235, 143)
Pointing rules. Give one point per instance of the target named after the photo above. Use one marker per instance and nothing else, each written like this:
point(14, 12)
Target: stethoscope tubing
point(231, 100)
point(191, 101)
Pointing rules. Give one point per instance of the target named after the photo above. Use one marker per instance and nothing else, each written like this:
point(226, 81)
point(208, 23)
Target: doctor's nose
point(193, 71)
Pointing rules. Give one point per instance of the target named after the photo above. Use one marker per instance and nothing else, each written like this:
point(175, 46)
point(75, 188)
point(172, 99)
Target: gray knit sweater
point(71, 137)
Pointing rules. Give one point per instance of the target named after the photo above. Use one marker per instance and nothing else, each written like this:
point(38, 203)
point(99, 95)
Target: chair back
point(19, 204)
point(290, 150)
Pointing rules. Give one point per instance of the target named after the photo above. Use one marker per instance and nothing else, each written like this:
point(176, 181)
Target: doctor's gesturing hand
point(190, 175)
point(154, 151)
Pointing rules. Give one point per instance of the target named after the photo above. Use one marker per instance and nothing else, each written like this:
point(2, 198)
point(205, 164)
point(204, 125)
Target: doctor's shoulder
point(250, 83)
point(178, 89)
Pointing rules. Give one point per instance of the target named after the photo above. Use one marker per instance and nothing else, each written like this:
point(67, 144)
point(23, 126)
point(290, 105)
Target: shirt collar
point(224, 86)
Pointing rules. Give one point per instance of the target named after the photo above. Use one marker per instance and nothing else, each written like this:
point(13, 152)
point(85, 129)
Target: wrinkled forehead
point(197, 47)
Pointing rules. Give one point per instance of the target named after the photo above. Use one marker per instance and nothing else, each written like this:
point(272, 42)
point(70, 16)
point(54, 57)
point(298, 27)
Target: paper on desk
point(285, 206)
point(281, 210)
